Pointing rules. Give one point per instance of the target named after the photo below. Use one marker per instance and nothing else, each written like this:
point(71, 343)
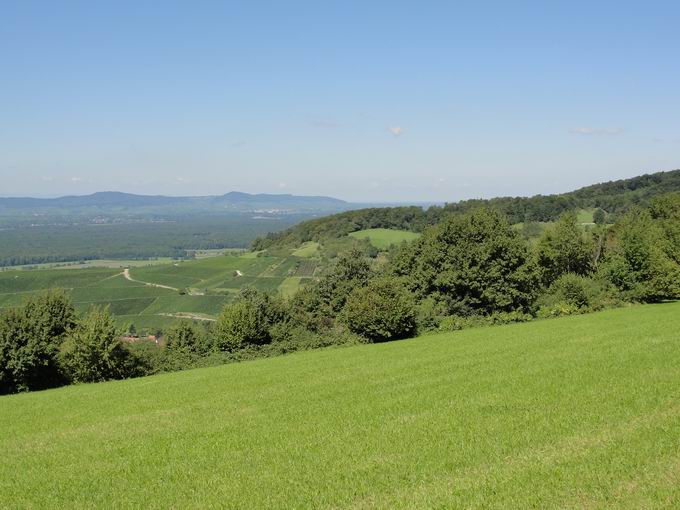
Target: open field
point(110, 263)
point(149, 296)
point(585, 216)
point(308, 249)
point(383, 238)
point(575, 412)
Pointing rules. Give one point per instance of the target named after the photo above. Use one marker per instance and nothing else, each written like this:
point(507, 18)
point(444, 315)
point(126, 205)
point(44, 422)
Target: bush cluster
point(44, 344)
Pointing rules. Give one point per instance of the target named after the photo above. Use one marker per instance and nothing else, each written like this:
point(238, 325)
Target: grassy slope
point(383, 238)
point(574, 412)
point(585, 215)
point(308, 249)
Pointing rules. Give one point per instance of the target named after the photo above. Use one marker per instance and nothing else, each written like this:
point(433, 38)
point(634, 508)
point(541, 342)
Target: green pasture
point(290, 286)
point(307, 250)
point(108, 263)
point(227, 272)
point(585, 215)
point(208, 305)
point(578, 412)
point(383, 238)
point(22, 281)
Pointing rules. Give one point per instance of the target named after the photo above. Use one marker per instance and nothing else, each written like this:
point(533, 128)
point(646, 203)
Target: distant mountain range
point(113, 201)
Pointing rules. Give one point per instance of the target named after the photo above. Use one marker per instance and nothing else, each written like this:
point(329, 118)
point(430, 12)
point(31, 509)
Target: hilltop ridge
point(613, 197)
point(232, 199)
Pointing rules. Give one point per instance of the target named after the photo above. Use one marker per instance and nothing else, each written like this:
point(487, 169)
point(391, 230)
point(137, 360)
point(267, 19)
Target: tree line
point(470, 269)
point(175, 238)
point(610, 200)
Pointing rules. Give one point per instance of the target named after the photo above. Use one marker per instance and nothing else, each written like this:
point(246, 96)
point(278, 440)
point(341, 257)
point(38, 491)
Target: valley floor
point(580, 412)
point(148, 295)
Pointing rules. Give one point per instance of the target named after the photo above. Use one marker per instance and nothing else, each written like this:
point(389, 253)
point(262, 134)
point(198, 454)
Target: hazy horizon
point(283, 192)
point(380, 102)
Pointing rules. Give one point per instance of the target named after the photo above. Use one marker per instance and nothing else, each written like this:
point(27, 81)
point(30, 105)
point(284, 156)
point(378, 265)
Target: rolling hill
point(572, 413)
point(235, 201)
point(614, 197)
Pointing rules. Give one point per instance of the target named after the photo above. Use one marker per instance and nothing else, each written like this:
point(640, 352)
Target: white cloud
point(396, 130)
point(76, 179)
point(283, 185)
point(183, 179)
point(596, 131)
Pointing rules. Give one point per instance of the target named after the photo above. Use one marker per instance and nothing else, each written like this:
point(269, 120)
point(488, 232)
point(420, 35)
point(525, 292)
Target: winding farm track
point(126, 274)
point(186, 315)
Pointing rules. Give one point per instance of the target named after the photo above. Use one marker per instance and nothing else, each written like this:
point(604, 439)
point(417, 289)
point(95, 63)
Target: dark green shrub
point(640, 262)
point(665, 210)
point(565, 249)
point(571, 294)
point(512, 317)
point(93, 352)
point(185, 344)
point(145, 358)
point(559, 309)
point(382, 310)
point(248, 320)
point(187, 338)
point(474, 263)
point(131, 330)
point(316, 305)
point(241, 323)
point(457, 322)
point(288, 337)
point(429, 314)
point(30, 338)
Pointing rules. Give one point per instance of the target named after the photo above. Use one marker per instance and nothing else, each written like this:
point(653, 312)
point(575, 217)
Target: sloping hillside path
point(126, 274)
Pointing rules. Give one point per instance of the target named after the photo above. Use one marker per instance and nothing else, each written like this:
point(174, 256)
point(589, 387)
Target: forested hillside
point(613, 198)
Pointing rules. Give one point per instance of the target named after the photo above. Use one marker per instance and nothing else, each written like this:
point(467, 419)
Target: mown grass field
point(579, 412)
point(383, 238)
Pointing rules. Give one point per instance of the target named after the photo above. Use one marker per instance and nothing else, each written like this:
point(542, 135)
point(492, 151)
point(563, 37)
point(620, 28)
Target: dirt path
point(184, 315)
point(126, 274)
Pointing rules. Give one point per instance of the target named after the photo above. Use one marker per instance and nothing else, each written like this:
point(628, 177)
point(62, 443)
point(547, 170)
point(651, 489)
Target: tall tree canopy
point(473, 262)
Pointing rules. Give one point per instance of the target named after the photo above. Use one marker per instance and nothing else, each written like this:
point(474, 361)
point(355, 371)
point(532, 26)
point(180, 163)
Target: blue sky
point(371, 101)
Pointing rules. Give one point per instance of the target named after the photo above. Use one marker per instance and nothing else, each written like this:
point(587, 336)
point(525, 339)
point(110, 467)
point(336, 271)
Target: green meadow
point(308, 249)
point(577, 412)
point(383, 238)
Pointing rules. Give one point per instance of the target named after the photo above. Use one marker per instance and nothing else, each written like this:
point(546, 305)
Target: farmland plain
point(574, 412)
point(154, 296)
